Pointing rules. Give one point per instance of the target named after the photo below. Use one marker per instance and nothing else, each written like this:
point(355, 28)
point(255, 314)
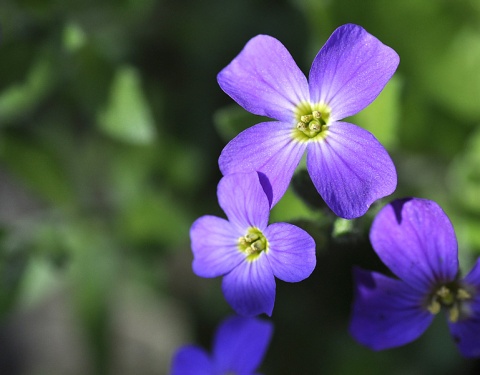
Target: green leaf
point(342, 227)
point(453, 79)
point(154, 216)
point(39, 280)
point(185, 168)
point(20, 99)
point(128, 116)
point(14, 259)
point(233, 119)
point(93, 272)
point(381, 118)
point(464, 176)
point(38, 168)
point(291, 208)
point(74, 37)
point(468, 233)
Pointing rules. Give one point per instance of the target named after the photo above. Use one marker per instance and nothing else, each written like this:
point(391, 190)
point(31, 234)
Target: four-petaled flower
point(248, 251)
point(348, 166)
point(416, 240)
point(239, 346)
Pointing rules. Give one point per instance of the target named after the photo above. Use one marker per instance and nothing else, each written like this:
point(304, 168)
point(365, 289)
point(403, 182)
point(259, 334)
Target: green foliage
point(20, 99)
point(291, 208)
point(39, 168)
point(382, 117)
point(74, 37)
point(127, 117)
point(458, 88)
point(233, 119)
point(464, 176)
point(111, 121)
point(154, 216)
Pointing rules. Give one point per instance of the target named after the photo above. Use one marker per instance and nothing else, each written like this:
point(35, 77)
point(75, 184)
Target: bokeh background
point(111, 123)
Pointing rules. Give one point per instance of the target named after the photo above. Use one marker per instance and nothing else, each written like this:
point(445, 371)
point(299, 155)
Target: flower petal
point(265, 80)
point(386, 312)
point(350, 169)
point(350, 70)
point(243, 200)
point(466, 332)
point(473, 277)
point(416, 240)
point(191, 360)
point(250, 287)
point(269, 149)
point(240, 344)
point(291, 252)
point(214, 244)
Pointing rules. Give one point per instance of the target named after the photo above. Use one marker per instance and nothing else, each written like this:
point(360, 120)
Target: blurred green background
point(111, 123)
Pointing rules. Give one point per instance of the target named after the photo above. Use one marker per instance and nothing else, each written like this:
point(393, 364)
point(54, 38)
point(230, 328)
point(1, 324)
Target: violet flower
point(416, 240)
point(239, 346)
point(246, 250)
point(348, 166)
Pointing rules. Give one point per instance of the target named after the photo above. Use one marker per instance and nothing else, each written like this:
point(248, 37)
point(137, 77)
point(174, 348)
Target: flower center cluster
point(253, 243)
point(452, 297)
point(312, 121)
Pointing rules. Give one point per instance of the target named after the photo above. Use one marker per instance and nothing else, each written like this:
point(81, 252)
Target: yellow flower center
point(311, 121)
point(451, 297)
point(253, 243)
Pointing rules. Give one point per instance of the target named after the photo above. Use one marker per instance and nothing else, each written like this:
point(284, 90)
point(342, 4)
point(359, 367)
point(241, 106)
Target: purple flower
point(239, 346)
point(246, 250)
point(415, 239)
point(348, 166)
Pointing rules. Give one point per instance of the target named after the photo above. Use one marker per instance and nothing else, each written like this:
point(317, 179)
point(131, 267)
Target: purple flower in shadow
point(239, 346)
point(416, 240)
point(348, 166)
point(247, 251)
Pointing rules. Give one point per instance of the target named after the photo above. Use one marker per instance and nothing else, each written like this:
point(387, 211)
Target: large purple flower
point(246, 250)
point(239, 346)
point(415, 239)
point(348, 166)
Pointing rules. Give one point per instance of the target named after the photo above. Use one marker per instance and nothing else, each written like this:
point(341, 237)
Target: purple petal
point(415, 239)
point(265, 80)
point(350, 169)
point(250, 287)
point(291, 252)
point(466, 332)
point(245, 203)
point(214, 244)
point(386, 312)
point(191, 360)
point(240, 345)
point(269, 149)
point(473, 277)
point(350, 70)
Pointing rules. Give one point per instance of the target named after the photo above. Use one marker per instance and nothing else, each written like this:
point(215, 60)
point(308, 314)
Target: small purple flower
point(246, 250)
point(416, 240)
point(348, 166)
point(239, 346)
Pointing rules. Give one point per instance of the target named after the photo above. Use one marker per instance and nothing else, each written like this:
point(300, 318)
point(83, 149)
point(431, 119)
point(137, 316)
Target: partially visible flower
point(348, 166)
point(416, 240)
point(246, 250)
point(239, 346)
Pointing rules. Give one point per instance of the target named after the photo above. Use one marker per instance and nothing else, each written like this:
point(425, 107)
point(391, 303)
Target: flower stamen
point(253, 243)
point(452, 297)
point(312, 121)
point(301, 126)
point(306, 118)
